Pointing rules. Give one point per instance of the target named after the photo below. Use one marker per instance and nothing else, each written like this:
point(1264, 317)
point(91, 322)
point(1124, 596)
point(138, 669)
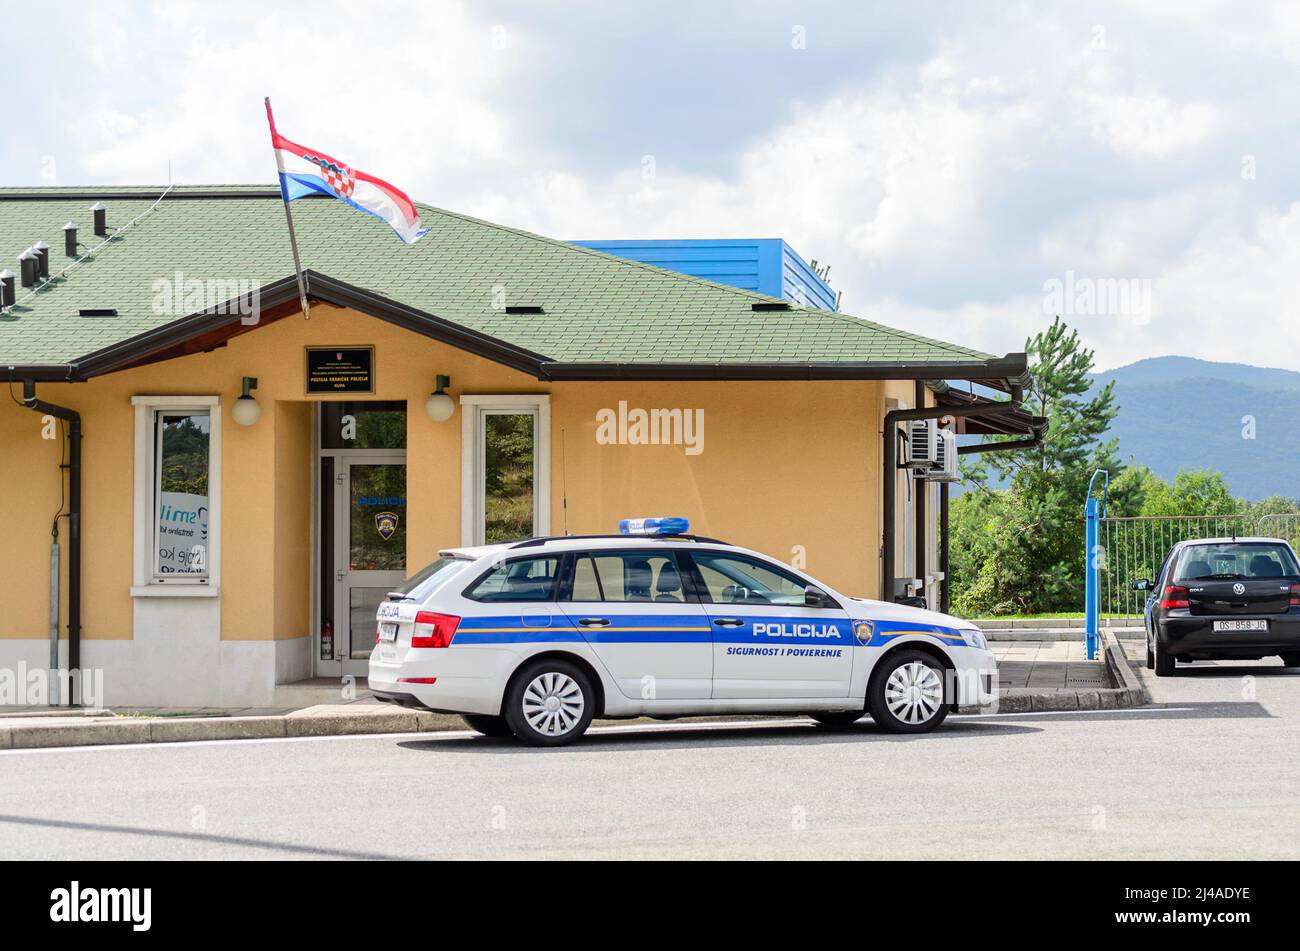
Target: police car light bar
point(654, 526)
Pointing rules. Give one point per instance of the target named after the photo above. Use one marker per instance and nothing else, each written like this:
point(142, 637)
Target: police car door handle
point(728, 622)
point(594, 621)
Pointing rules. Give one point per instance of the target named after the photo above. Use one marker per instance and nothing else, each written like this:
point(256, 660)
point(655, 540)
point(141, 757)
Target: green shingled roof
point(597, 308)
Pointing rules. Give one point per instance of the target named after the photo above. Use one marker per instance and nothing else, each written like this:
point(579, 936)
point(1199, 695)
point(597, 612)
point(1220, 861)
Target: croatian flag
point(305, 171)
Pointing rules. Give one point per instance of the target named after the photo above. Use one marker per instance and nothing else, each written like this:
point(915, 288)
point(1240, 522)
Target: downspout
point(943, 547)
point(890, 474)
point(73, 419)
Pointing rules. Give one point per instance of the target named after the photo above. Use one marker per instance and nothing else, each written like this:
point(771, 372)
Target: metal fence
point(1134, 548)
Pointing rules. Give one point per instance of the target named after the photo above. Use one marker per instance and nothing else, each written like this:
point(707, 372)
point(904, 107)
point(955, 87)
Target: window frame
point(146, 580)
point(473, 410)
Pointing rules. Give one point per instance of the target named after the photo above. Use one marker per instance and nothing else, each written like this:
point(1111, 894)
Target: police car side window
point(520, 580)
point(586, 586)
point(732, 579)
point(627, 576)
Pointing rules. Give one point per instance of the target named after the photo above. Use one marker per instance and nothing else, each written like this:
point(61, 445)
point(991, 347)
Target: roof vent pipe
point(42, 251)
point(70, 239)
point(7, 288)
point(101, 218)
point(28, 267)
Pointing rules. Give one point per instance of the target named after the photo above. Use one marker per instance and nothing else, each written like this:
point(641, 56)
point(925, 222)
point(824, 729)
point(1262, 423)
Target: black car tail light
point(1175, 597)
point(1295, 595)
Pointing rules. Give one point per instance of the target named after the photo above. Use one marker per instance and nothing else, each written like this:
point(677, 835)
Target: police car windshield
point(422, 584)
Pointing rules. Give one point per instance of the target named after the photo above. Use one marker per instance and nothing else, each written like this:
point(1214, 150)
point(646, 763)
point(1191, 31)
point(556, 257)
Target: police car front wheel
point(907, 693)
point(550, 703)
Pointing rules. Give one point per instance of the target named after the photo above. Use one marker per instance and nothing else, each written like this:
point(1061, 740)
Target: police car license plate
point(1243, 625)
point(388, 631)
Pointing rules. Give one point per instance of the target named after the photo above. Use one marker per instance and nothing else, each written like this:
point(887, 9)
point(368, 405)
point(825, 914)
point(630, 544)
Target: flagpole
point(288, 215)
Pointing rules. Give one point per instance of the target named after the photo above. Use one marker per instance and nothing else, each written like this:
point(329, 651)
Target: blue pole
point(1091, 590)
point(1094, 510)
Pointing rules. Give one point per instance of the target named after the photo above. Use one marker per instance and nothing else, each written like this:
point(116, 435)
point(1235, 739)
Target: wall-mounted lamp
point(246, 411)
point(439, 405)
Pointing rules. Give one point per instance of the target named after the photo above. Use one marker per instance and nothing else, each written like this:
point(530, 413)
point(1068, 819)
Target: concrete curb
point(1054, 634)
point(1047, 623)
point(198, 729)
point(1127, 692)
point(1121, 671)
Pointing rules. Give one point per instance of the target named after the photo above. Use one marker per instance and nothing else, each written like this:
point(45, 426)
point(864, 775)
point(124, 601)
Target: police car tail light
point(434, 630)
point(1175, 597)
point(1295, 596)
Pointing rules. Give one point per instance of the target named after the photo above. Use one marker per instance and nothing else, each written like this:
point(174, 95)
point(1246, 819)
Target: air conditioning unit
point(922, 445)
point(945, 468)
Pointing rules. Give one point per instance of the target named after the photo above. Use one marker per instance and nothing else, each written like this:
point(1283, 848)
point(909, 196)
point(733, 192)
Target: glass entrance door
point(370, 547)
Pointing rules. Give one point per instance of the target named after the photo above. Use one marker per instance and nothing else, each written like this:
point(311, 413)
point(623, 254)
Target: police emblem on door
point(386, 524)
point(863, 630)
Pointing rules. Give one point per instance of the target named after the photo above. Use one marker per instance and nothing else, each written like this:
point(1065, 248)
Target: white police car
point(535, 638)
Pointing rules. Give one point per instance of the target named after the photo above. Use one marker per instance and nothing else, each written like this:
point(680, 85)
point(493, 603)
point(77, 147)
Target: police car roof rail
point(535, 542)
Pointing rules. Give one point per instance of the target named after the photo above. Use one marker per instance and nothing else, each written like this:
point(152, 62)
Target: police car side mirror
point(1142, 584)
point(815, 597)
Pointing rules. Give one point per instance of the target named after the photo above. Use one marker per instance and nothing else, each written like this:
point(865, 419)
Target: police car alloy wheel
point(550, 703)
point(906, 694)
point(487, 725)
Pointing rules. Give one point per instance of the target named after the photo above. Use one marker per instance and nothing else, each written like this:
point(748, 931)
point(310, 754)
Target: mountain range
point(1183, 413)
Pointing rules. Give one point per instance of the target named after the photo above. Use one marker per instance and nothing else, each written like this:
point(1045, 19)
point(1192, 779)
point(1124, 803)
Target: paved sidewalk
point(1047, 665)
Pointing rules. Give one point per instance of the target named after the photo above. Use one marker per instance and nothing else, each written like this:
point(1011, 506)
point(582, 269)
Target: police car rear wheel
point(487, 725)
point(550, 703)
point(907, 693)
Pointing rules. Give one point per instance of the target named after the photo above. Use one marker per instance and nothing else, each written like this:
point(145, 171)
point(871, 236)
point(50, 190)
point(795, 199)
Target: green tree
point(1028, 556)
point(1193, 492)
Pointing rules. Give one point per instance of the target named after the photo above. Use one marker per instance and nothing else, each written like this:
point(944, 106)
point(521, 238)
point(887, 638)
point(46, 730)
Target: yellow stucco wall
point(787, 467)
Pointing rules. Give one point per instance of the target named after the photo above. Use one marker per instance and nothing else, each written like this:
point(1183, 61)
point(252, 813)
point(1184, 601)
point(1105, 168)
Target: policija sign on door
point(340, 369)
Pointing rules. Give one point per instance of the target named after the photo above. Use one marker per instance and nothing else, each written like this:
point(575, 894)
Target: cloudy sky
point(966, 169)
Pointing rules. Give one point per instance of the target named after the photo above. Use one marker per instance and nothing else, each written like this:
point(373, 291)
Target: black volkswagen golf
point(1223, 599)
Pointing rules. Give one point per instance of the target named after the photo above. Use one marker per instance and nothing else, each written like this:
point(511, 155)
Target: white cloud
point(1148, 125)
point(435, 114)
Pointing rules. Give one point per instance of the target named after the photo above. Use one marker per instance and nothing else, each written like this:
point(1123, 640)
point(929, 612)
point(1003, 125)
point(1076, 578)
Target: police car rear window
point(422, 584)
point(519, 580)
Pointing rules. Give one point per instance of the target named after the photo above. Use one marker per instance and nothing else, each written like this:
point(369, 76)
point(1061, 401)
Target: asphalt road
point(1214, 774)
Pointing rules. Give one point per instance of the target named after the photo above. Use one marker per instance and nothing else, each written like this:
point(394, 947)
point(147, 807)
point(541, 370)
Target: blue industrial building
point(764, 265)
